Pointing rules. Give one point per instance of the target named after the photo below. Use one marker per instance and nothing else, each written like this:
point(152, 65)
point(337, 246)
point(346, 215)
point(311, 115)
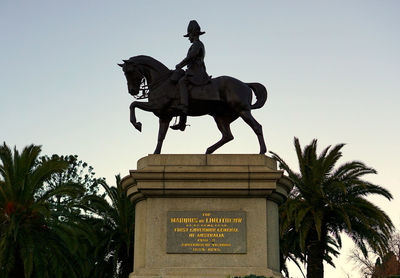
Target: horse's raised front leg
point(223, 124)
point(141, 105)
point(162, 131)
point(257, 128)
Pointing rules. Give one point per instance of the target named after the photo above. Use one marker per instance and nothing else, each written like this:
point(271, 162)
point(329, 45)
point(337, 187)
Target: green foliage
point(77, 172)
point(33, 242)
point(55, 223)
point(113, 222)
point(324, 203)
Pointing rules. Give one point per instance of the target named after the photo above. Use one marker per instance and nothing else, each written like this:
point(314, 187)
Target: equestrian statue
point(173, 93)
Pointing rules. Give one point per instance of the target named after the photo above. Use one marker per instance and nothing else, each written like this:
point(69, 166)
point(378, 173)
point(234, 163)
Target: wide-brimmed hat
point(194, 29)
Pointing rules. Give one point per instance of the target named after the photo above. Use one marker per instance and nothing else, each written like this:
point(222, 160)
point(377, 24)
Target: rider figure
point(195, 73)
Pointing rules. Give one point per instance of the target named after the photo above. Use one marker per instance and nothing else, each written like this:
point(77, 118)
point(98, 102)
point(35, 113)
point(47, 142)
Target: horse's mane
point(148, 61)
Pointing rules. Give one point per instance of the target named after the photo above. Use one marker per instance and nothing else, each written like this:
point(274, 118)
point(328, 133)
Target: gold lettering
point(227, 230)
point(213, 249)
point(218, 220)
point(221, 244)
point(198, 249)
point(192, 244)
point(181, 230)
point(202, 230)
point(237, 220)
point(211, 235)
point(184, 220)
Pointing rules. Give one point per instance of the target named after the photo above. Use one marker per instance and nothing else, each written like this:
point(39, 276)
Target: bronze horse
point(231, 98)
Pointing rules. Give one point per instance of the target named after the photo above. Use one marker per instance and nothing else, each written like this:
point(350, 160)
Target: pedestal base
point(219, 272)
point(206, 183)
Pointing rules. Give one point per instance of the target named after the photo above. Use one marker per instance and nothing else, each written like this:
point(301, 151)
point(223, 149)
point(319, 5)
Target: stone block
point(221, 185)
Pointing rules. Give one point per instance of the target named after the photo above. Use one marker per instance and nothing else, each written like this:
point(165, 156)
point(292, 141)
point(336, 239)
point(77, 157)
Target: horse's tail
point(261, 94)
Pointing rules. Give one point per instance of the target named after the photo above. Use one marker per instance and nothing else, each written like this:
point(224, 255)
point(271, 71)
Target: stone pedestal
point(220, 213)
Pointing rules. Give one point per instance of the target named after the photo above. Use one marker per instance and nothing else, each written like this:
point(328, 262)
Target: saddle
point(208, 91)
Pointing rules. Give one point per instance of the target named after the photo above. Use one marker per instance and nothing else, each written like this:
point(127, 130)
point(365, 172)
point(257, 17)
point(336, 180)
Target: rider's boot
point(183, 106)
point(181, 125)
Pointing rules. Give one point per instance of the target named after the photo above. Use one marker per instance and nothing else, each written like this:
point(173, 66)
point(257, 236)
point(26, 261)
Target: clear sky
point(331, 69)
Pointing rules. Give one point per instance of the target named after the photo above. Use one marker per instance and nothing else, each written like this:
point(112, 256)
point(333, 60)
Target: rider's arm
point(194, 50)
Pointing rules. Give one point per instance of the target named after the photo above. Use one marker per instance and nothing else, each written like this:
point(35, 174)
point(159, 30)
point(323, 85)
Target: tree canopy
point(328, 200)
point(58, 220)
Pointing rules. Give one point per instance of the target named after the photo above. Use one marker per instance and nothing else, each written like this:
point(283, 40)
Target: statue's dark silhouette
point(196, 70)
point(179, 93)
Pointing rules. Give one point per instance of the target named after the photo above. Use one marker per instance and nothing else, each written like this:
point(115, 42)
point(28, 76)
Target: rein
point(145, 88)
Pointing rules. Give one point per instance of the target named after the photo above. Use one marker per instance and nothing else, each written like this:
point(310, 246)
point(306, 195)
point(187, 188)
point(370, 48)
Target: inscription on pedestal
point(220, 232)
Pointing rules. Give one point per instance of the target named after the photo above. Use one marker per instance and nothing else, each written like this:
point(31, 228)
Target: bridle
point(143, 91)
point(144, 87)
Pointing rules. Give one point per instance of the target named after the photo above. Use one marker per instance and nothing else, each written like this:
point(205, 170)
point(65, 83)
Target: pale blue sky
point(331, 69)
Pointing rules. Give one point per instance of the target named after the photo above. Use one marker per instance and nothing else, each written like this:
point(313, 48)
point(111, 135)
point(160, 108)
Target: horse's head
point(142, 69)
point(133, 76)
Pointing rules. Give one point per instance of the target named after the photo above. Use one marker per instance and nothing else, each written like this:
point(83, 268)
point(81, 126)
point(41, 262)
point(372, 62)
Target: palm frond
point(326, 201)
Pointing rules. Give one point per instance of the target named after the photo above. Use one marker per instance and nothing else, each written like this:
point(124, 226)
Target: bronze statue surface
point(192, 93)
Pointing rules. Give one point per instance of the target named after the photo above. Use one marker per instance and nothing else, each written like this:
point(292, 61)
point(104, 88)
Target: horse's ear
point(126, 61)
point(121, 65)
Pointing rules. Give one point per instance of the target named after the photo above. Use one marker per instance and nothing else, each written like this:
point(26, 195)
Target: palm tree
point(112, 217)
point(33, 240)
point(325, 202)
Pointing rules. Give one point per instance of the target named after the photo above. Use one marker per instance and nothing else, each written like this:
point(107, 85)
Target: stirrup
point(178, 126)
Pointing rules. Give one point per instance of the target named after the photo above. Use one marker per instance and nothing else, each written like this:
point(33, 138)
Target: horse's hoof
point(209, 151)
point(138, 126)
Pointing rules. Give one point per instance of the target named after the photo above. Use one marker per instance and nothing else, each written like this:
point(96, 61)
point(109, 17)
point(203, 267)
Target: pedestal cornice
point(194, 175)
